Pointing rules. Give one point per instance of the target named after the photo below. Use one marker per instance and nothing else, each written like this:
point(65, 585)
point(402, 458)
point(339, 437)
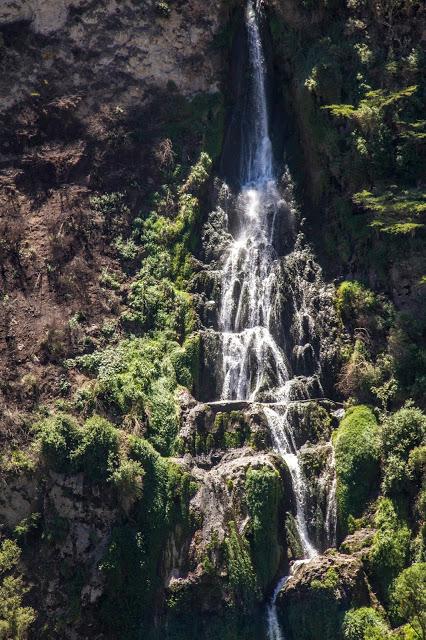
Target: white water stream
point(254, 363)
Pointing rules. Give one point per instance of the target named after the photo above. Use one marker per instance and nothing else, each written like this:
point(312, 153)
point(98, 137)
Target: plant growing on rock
point(15, 618)
point(409, 598)
point(401, 433)
point(357, 449)
point(389, 552)
point(263, 492)
point(242, 576)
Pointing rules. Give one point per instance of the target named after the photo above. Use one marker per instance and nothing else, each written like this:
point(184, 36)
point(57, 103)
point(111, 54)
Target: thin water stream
point(255, 363)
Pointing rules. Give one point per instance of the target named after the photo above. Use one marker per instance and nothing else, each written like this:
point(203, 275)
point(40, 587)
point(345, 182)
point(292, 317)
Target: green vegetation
point(320, 615)
point(357, 449)
point(409, 597)
point(364, 624)
point(389, 552)
point(394, 211)
point(263, 493)
point(242, 576)
point(402, 433)
point(15, 618)
point(384, 362)
point(66, 447)
point(131, 561)
point(137, 378)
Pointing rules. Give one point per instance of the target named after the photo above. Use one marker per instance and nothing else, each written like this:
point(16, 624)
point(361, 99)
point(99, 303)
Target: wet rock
point(219, 501)
point(213, 427)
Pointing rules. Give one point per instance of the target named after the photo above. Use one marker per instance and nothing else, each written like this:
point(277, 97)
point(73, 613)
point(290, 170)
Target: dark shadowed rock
point(313, 601)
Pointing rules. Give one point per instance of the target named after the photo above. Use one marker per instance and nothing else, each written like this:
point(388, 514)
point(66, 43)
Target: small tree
point(15, 619)
point(409, 596)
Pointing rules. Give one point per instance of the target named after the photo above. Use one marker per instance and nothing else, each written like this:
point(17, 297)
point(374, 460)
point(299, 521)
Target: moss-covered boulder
point(313, 601)
point(357, 451)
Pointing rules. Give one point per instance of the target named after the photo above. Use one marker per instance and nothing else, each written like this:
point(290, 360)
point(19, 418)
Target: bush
point(402, 432)
point(67, 448)
point(15, 619)
point(127, 479)
point(364, 624)
point(389, 552)
point(409, 597)
point(59, 435)
point(97, 451)
point(359, 307)
point(356, 443)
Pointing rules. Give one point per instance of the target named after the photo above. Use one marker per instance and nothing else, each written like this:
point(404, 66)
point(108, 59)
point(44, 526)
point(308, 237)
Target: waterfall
point(252, 358)
point(257, 362)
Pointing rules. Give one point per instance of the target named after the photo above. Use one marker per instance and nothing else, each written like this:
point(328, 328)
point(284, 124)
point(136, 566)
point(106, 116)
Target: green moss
point(242, 576)
point(131, 562)
point(262, 494)
point(294, 544)
point(357, 451)
point(230, 430)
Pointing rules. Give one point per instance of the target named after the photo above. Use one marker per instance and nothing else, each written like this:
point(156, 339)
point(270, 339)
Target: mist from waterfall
point(255, 364)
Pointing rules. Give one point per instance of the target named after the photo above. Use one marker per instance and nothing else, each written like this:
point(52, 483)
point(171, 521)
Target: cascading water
point(256, 364)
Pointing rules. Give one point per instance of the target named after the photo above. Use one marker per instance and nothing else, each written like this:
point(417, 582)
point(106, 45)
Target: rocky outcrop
point(220, 505)
point(314, 599)
point(210, 428)
point(131, 47)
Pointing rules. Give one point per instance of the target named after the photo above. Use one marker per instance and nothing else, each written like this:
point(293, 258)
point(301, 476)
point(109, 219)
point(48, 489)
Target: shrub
point(97, 450)
point(402, 432)
point(409, 597)
point(15, 619)
point(364, 624)
point(389, 552)
point(59, 436)
point(360, 307)
point(138, 379)
point(356, 443)
point(127, 479)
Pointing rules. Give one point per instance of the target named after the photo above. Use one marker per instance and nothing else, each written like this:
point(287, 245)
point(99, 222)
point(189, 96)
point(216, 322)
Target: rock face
point(313, 601)
point(220, 505)
point(108, 49)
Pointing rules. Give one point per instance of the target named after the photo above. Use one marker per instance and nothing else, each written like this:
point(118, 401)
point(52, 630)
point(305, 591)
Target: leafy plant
point(409, 597)
point(15, 618)
point(389, 552)
point(364, 624)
